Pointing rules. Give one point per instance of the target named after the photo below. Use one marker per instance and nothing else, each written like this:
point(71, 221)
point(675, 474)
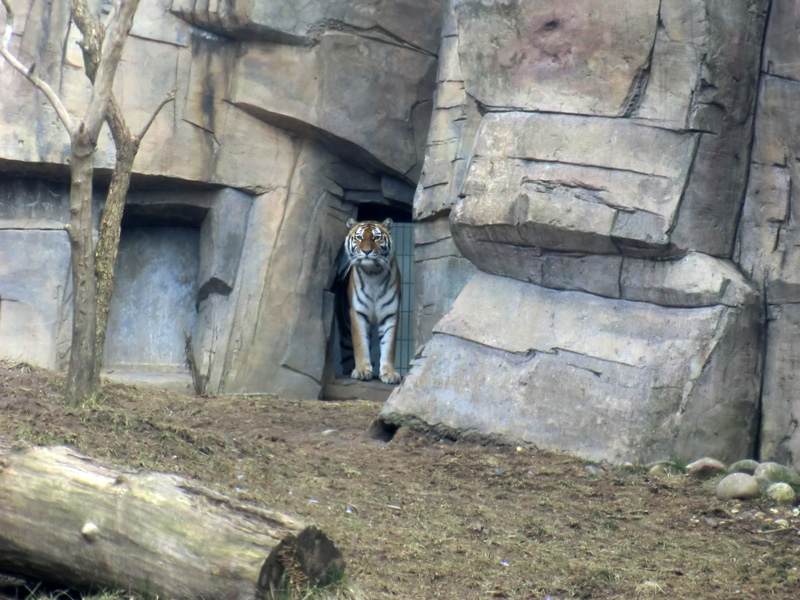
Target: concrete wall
point(153, 308)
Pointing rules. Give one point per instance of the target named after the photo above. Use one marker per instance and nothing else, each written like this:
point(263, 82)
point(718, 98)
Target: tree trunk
point(102, 45)
point(126, 146)
point(73, 522)
point(82, 379)
point(83, 376)
point(108, 241)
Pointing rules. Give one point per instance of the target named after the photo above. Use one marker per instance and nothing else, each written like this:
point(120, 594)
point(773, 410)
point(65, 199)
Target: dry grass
point(424, 519)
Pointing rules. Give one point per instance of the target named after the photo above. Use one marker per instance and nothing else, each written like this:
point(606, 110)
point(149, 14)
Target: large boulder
point(606, 379)
point(570, 183)
point(357, 95)
point(608, 129)
point(592, 161)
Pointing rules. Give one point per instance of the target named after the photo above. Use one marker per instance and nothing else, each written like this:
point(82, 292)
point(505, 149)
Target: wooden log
point(69, 520)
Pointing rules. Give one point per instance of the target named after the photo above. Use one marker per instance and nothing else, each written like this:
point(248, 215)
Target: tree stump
point(71, 521)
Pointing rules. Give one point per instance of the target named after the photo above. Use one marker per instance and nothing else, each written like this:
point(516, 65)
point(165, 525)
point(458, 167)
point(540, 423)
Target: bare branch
point(167, 99)
point(93, 32)
point(28, 72)
point(116, 34)
point(115, 9)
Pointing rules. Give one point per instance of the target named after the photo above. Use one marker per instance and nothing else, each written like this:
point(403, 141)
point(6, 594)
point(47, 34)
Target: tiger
point(369, 274)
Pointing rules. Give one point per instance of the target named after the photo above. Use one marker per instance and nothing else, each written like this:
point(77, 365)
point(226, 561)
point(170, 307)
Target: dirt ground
point(419, 518)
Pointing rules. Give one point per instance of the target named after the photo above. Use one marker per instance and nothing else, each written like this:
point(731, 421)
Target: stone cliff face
point(621, 173)
point(289, 117)
point(603, 209)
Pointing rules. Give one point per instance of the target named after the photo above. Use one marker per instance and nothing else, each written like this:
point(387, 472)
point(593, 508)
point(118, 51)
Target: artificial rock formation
point(608, 379)
point(593, 162)
point(441, 269)
point(287, 119)
point(766, 251)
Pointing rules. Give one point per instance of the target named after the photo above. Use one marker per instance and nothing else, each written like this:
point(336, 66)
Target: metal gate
point(403, 236)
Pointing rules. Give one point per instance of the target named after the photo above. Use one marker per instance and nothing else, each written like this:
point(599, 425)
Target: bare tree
point(126, 145)
point(92, 274)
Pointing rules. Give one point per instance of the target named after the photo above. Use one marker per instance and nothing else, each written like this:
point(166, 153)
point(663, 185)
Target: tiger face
point(369, 243)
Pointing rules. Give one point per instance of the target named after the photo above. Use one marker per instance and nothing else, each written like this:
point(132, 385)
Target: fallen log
point(69, 520)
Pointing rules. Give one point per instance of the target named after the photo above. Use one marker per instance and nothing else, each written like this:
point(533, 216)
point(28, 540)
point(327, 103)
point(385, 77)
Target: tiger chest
point(374, 286)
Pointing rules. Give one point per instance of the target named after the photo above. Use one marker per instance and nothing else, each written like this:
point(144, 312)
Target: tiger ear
point(387, 223)
point(350, 222)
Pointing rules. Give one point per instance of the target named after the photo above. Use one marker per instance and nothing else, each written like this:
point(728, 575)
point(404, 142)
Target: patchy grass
point(425, 519)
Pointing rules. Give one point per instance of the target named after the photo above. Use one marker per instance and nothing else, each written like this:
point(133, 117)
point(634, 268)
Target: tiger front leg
point(388, 335)
point(360, 328)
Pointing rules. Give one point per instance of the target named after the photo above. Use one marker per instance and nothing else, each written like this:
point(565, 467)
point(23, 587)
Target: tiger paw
point(362, 374)
point(390, 376)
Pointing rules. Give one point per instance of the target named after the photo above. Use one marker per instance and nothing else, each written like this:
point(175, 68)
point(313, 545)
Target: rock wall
point(441, 269)
point(288, 117)
point(620, 172)
point(766, 249)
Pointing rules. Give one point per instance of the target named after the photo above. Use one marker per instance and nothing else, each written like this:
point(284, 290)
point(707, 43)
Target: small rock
point(776, 472)
point(782, 493)
point(781, 523)
point(658, 469)
point(664, 467)
point(737, 485)
point(90, 531)
point(705, 468)
point(748, 466)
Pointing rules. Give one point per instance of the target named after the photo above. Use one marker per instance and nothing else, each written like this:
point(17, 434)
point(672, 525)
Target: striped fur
point(368, 267)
